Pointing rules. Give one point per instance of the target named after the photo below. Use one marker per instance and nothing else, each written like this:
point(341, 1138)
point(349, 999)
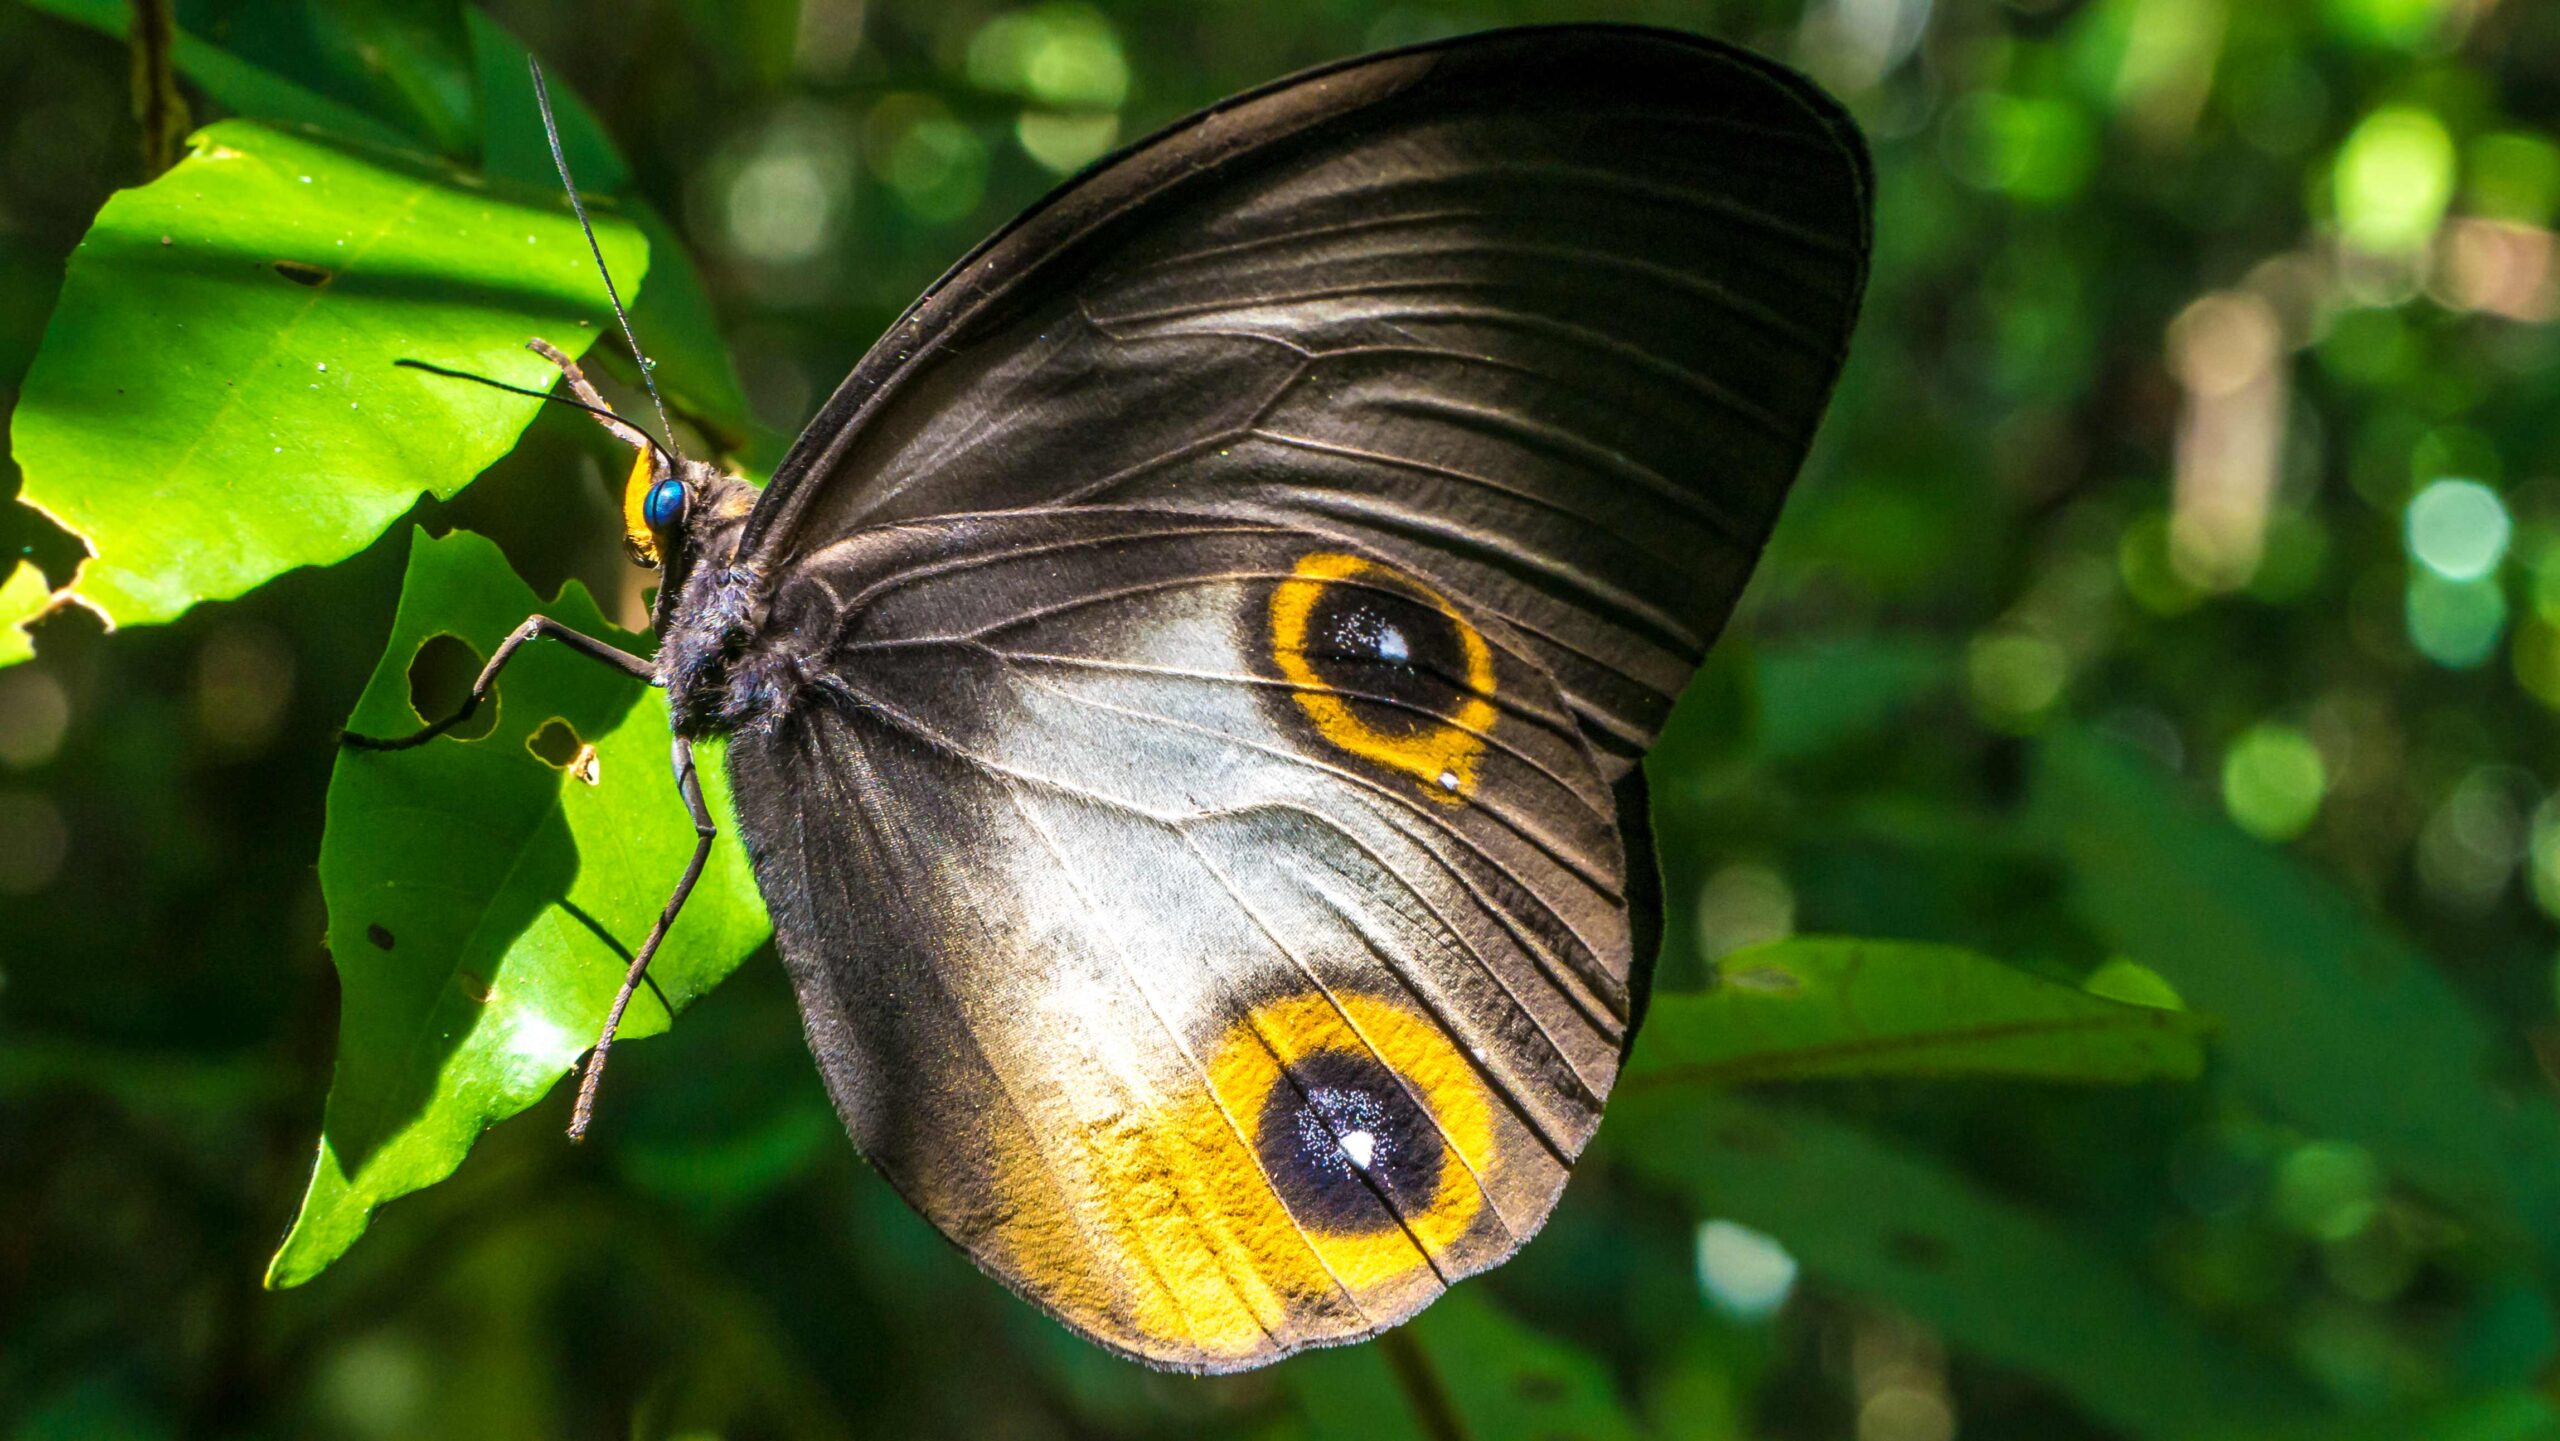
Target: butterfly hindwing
point(1217, 932)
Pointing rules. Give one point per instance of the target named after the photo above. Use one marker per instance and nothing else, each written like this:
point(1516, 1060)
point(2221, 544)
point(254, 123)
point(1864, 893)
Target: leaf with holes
point(216, 402)
point(485, 895)
point(1824, 1006)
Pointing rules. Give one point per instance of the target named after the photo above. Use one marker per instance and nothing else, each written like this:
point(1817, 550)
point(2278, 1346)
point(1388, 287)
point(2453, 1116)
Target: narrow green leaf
point(1994, 1278)
point(408, 57)
point(483, 902)
point(215, 400)
point(249, 90)
point(1818, 694)
point(2327, 1016)
point(1822, 1006)
point(2501, 1416)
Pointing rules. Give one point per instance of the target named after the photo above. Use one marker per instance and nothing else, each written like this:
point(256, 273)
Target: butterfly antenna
point(560, 160)
point(629, 432)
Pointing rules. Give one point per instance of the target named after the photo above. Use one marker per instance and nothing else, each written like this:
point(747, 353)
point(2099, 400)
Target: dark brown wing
point(1547, 315)
point(1207, 647)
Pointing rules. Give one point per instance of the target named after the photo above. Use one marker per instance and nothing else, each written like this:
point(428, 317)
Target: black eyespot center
point(1397, 659)
point(1339, 1133)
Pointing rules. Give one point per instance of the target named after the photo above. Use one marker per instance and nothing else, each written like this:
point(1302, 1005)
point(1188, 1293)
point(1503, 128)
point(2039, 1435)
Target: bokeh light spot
point(1746, 1273)
point(1743, 905)
point(2394, 177)
point(2328, 1189)
point(1065, 143)
point(2272, 782)
point(2455, 623)
point(2459, 529)
point(2015, 678)
point(1061, 55)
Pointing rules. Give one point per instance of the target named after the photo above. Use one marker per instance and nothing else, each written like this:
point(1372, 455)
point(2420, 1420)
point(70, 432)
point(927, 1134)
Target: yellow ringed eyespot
point(1385, 668)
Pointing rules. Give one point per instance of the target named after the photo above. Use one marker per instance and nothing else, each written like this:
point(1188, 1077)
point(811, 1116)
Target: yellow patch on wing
point(1177, 1241)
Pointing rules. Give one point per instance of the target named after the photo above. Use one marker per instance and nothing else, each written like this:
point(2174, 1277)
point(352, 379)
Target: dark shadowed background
point(2173, 599)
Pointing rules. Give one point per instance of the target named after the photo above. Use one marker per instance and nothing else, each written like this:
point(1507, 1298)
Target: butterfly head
point(664, 496)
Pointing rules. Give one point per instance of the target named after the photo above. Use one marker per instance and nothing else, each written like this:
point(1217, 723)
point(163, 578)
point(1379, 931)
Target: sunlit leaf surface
point(484, 901)
point(264, 425)
point(1828, 1006)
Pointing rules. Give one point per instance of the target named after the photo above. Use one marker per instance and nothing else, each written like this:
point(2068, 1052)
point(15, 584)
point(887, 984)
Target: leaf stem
point(1423, 1390)
point(157, 104)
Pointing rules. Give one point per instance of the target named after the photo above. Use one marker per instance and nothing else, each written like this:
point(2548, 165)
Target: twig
point(157, 104)
point(1420, 1382)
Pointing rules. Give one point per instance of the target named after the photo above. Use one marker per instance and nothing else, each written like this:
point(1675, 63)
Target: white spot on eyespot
point(306, 179)
point(1360, 1146)
point(1392, 647)
point(1448, 780)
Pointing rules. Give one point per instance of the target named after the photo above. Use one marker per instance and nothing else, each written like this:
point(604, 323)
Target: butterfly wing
point(1219, 1009)
point(1230, 608)
point(1549, 313)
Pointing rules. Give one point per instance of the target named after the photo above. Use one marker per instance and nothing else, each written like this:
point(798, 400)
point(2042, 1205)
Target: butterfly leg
point(541, 627)
point(689, 785)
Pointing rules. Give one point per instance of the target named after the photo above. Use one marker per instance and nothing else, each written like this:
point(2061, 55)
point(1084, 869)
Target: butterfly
point(1187, 690)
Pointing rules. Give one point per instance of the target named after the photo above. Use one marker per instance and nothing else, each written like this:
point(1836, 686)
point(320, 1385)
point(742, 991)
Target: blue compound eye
point(664, 510)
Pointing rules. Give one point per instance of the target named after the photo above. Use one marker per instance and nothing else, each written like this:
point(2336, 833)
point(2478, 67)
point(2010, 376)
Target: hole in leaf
point(440, 678)
point(557, 745)
point(301, 274)
point(379, 935)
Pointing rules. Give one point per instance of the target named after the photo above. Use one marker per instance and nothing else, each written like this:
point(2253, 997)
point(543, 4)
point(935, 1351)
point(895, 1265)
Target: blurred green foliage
point(2172, 608)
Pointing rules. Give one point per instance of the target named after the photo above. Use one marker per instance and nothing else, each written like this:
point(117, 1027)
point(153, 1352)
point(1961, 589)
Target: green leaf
point(251, 90)
point(673, 316)
point(408, 56)
point(2326, 1015)
point(483, 902)
point(1994, 1278)
point(2500, 1416)
point(1820, 1006)
point(1495, 1378)
point(23, 597)
point(215, 401)
point(1818, 694)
